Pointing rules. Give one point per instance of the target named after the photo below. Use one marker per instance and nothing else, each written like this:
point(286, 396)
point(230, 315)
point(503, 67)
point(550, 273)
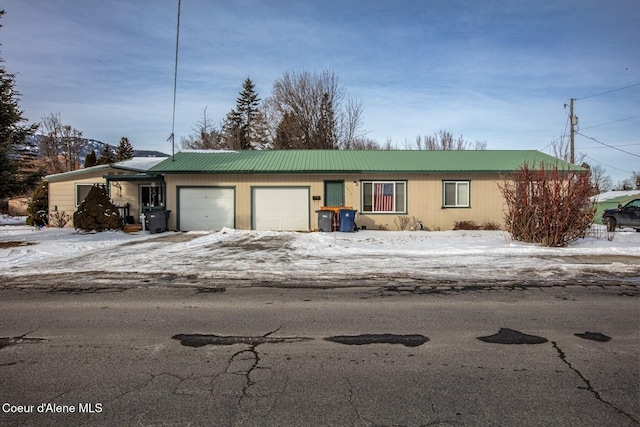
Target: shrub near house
point(548, 205)
point(39, 206)
point(97, 213)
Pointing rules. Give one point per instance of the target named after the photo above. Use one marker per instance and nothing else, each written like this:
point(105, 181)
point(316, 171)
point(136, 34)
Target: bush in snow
point(471, 225)
point(59, 219)
point(39, 206)
point(548, 206)
point(97, 213)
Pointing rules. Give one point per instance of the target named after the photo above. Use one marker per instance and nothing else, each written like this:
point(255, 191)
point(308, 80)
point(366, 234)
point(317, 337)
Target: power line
point(604, 164)
point(615, 121)
point(607, 145)
point(622, 145)
point(608, 92)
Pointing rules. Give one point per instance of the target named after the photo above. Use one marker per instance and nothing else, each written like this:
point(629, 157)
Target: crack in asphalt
point(381, 285)
point(200, 340)
point(589, 387)
point(213, 290)
point(21, 339)
point(359, 416)
point(254, 364)
point(456, 287)
point(70, 290)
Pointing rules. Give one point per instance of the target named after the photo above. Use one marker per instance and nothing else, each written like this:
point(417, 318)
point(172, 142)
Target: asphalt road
point(394, 355)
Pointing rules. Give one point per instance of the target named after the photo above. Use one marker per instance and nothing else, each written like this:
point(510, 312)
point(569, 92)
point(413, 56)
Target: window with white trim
point(455, 194)
point(151, 196)
point(384, 196)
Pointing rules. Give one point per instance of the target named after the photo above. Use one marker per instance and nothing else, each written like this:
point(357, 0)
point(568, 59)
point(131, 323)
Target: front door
point(334, 193)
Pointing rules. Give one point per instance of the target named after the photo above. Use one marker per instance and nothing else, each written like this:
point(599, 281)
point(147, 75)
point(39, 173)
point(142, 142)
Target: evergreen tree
point(324, 136)
point(97, 213)
point(124, 150)
point(106, 156)
point(233, 131)
point(38, 208)
point(243, 126)
point(289, 134)
point(91, 159)
point(12, 132)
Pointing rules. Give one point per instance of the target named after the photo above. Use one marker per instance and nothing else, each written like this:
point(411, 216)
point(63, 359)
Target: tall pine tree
point(324, 136)
point(13, 180)
point(244, 127)
point(106, 156)
point(124, 150)
point(91, 159)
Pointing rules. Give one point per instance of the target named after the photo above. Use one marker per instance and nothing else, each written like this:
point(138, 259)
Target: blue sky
point(494, 71)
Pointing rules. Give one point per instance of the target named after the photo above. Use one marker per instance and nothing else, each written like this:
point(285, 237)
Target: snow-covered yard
point(30, 255)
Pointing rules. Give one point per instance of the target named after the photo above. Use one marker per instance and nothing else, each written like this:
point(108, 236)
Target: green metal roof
point(351, 161)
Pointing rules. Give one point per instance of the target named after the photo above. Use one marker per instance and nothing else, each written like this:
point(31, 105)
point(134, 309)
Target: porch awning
point(136, 177)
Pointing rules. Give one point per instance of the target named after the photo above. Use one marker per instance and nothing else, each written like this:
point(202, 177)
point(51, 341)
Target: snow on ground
point(12, 220)
point(262, 256)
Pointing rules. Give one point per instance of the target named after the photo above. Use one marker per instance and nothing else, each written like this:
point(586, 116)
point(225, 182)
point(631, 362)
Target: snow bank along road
point(418, 260)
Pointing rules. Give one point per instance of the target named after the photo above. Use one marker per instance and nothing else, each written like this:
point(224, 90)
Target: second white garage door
point(206, 208)
point(280, 208)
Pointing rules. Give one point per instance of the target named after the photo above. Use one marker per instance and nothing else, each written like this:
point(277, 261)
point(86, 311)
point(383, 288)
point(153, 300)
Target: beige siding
point(424, 196)
point(122, 193)
point(62, 193)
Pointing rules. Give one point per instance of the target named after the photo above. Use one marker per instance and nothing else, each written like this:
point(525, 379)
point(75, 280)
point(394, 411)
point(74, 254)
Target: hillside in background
point(30, 149)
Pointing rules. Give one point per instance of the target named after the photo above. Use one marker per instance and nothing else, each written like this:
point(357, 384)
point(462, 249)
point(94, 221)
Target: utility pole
point(574, 121)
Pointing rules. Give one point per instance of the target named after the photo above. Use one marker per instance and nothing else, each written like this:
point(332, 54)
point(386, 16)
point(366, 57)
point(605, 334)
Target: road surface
point(399, 355)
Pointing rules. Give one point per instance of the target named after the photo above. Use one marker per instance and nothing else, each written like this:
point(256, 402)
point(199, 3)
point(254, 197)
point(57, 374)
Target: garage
point(206, 208)
point(280, 208)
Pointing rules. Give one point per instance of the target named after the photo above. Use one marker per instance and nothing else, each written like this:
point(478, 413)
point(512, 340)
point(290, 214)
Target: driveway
point(285, 259)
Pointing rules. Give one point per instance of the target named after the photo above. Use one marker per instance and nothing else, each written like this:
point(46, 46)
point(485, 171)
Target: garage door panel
point(206, 208)
point(281, 208)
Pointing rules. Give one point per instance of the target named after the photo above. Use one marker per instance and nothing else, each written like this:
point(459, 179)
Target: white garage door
point(281, 208)
point(203, 209)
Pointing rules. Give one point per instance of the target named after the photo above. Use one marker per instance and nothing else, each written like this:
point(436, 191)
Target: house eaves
point(134, 165)
point(352, 161)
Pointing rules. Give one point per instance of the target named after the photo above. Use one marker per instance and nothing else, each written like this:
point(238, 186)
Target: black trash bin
point(156, 221)
point(325, 220)
point(347, 221)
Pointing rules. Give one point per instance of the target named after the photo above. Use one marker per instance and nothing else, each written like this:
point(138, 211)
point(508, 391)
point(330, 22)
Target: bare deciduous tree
point(599, 180)
point(562, 150)
point(61, 145)
point(49, 145)
point(308, 110)
point(351, 125)
point(205, 137)
point(444, 140)
point(71, 146)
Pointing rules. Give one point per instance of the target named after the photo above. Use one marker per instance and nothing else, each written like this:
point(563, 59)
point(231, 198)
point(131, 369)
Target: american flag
point(383, 197)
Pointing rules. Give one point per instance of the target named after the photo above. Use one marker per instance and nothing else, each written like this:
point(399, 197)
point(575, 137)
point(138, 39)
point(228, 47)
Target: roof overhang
point(136, 178)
